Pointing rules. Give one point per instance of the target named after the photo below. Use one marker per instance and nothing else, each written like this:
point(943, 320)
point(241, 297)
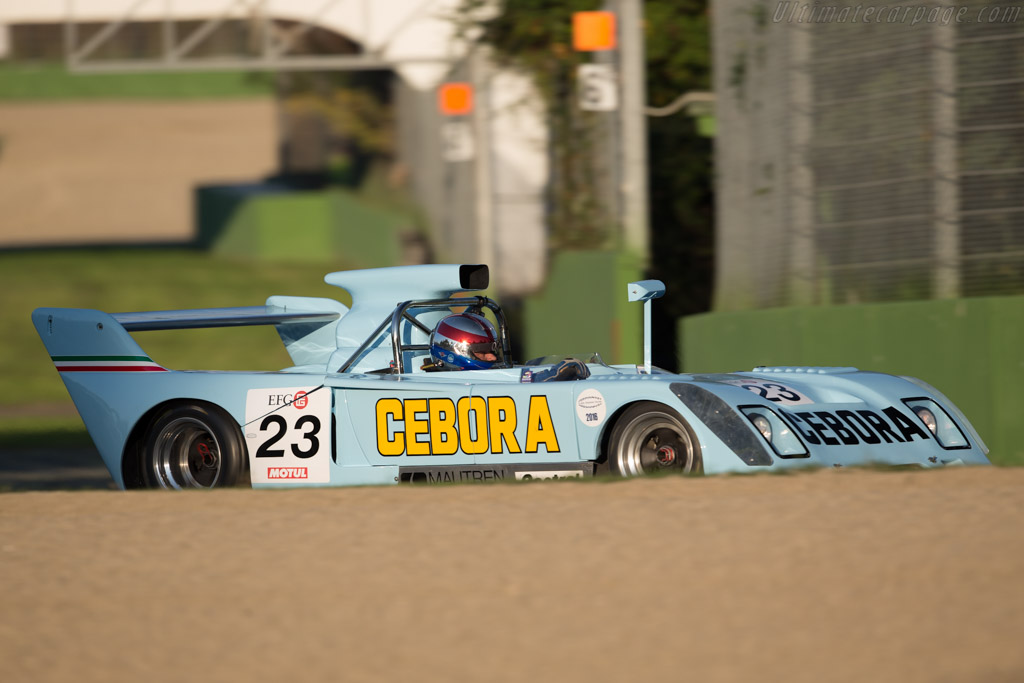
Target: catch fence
point(868, 152)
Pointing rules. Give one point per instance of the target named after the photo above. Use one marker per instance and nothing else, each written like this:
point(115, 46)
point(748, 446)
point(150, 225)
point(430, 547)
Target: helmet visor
point(488, 352)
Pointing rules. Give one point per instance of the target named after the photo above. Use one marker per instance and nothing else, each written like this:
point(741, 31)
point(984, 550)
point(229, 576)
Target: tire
point(651, 438)
point(193, 446)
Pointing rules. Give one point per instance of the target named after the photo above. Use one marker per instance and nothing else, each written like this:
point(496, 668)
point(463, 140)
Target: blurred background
point(837, 184)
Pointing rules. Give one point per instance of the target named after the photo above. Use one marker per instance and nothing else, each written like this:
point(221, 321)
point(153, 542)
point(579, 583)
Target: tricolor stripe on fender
point(106, 364)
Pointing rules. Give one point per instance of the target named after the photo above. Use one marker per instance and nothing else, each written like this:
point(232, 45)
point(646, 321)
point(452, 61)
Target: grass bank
point(116, 280)
point(45, 81)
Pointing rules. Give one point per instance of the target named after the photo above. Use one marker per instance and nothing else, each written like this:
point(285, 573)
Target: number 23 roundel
point(773, 391)
point(287, 434)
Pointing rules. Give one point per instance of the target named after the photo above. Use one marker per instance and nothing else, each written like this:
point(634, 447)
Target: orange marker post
point(455, 99)
point(593, 31)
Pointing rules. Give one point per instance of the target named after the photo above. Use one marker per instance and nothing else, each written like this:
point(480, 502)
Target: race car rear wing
point(144, 321)
point(314, 330)
point(305, 325)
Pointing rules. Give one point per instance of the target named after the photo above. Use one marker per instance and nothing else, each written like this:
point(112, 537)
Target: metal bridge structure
point(416, 38)
point(485, 206)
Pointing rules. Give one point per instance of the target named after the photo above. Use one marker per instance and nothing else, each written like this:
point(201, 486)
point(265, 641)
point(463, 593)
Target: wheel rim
point(186, 455)
point(655, 442)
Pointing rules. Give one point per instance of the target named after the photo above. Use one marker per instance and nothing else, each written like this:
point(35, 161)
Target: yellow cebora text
point(473, 425)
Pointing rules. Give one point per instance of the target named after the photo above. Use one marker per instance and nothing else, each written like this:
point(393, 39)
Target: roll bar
point(402, 312)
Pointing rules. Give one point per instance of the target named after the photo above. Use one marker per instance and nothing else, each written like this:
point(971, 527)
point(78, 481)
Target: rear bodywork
point(356, 409)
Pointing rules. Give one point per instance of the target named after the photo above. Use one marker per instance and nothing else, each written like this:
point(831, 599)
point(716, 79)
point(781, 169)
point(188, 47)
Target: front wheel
point(649, 438)
point(193, 446)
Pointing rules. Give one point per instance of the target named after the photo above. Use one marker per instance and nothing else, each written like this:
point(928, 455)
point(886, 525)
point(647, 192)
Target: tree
point(536, 36)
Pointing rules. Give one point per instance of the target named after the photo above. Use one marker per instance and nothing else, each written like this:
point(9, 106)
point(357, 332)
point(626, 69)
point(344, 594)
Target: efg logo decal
point(298, 400)
point(473, 425)
point(591, 407)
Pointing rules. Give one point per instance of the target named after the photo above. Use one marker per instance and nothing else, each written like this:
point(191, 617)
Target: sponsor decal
point(454, 475)
point(849, 427)
point(106, 364)
point(451, 474)
point(772, 391)
point(591, 407)
point(473, 425)
point(285, 397)
point(287, 473)
point(550, 474)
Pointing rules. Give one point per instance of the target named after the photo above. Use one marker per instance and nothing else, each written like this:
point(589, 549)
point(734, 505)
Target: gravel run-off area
point(824, 576)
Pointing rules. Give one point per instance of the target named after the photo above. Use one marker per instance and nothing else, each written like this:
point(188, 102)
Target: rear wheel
point(193, 446)
point(649, 438)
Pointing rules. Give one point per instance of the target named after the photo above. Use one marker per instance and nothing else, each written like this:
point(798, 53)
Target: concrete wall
point(972, 350)
point(758, 155)
point(123, 171)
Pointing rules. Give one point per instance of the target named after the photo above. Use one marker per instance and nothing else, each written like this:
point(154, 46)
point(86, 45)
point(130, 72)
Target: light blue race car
point(378, 395)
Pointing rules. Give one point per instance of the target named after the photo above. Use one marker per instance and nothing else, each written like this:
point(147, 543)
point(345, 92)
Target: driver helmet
point(464, 341)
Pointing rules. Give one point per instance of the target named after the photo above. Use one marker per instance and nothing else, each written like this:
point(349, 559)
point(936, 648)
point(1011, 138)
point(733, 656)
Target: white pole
point(480, 70)
point(634, 128)
point(947, 283)
point(647, 336)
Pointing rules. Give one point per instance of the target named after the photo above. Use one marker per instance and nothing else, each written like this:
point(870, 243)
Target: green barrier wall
point(583, 309)
point(48, 81)
point(972, 350)
point(315, 226)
